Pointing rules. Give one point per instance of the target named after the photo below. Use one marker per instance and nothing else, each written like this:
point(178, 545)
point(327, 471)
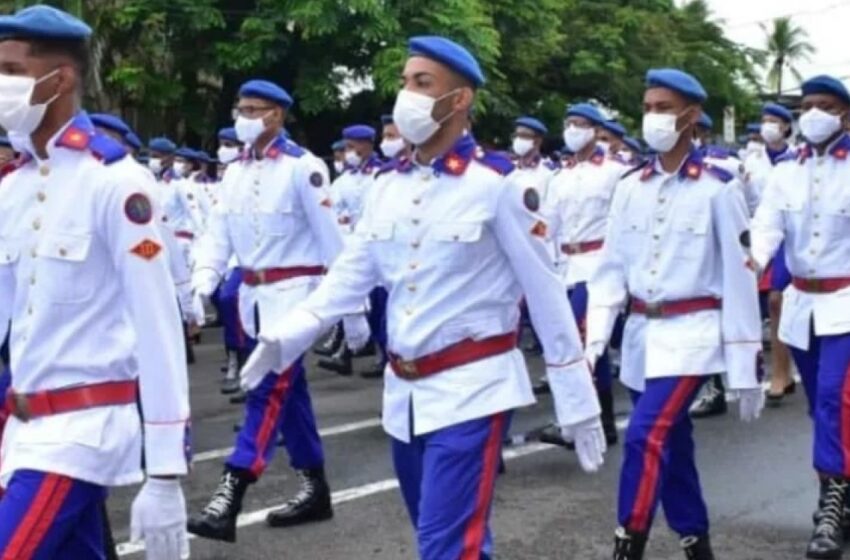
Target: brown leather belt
point(582, 247)
point(820, 285)
point(272, 275)
point(184, 235)
point(27, 406)
point(458, 354)
point(661, 309)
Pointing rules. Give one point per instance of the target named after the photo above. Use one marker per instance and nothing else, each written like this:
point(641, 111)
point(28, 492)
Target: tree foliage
point(174, 66)
point(786, 45)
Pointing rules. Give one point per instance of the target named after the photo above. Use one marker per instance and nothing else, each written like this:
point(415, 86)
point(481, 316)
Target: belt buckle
point(814, 284)
point(654, 310)
point(261, 276)
point(408, 368)
point(20, 406)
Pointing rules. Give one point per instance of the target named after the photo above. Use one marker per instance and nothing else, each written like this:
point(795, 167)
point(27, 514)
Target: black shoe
point(775, 399)
point(628, 545)
point(312, 503)
point(230, 386)
point(827, 539)
point(217, 520)
point(542, 387)
point(371, 349)
point(230, 383)
point(331, 343)
point(374, 372)
point(712, 402)
point(697, 547)
point(609, 424)
point(339, 363)
point(239, 398)
point(552, 435)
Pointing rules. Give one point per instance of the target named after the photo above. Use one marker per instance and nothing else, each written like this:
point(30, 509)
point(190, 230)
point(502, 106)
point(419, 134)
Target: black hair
point(77, 50)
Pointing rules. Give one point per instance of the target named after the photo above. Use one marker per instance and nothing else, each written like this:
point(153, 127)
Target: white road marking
point(327, 432)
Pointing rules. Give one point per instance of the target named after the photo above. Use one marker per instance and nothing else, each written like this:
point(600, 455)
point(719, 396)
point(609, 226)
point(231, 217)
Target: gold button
point(816, 216)
point(36, 224)
point(816, 234)
point(415, 244)
point(33, 253)
point(256, 181)
point(417, 200)
point(661, 200)
point(660, 220)
point(32, 281)
point(41, 197)
point(811, 271)
point(29, 310)
point(63, 252)
point(411, 287)
point(415, 221)
point(414, 266)
point(657, 255)
point(44, 170)
point(456, 237)
point(426, 177)
point(652, 272)
point(408, 311)
point(820, 162)
point(656, 237)
point(813, 252)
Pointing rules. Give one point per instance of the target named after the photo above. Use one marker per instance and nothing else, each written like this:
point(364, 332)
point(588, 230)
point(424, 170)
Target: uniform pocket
point(65, 275)
point(456, 244)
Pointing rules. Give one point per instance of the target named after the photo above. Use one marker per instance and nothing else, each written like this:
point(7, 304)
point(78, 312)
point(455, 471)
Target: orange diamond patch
point(147, 249)
point(539, 229)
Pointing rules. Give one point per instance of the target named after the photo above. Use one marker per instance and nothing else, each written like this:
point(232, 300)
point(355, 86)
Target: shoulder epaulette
point(292, 149)
point(106, 149)
point(634, 169)
point(497, 161)
point(718, 172)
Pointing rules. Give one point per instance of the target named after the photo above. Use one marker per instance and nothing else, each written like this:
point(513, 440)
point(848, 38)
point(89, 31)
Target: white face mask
point(339, 166)
point(659, 131)
point(522, 146)
point(391, 148)
point(155, 164)
point(182, 168)
point(248, 130)
point(412, 115)
point(817, 125)
point(625, 155)
point(606, 146)
point(16, 113)
point(352, 158)
point(228, 154)
point(576, 137)
point(772, 132)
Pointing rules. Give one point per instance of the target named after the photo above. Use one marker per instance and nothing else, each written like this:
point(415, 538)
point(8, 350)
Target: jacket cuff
point(167, 448)
point(573, 392)
point(744, 368)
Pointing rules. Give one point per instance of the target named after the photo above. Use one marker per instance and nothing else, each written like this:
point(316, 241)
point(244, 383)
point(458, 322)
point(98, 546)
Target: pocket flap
point(454, 231)
point(380, 231)
point(66, 247)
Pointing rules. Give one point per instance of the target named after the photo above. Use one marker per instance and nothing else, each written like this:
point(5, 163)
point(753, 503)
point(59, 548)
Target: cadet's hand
point(589, 441)
point(264, 358)
point(357, 333)
point(751, 403)
point(158, 517)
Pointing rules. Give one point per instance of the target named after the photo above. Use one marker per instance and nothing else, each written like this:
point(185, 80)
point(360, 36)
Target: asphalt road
point(757, 478)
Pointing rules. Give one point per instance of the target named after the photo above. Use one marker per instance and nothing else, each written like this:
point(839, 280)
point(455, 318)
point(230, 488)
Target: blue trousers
point(280, 403)
point(578, 302)
point(377, 319)
point(226, 301)
point(658, 460)
point(47, 516)
point(447, 479)
point(825, 371)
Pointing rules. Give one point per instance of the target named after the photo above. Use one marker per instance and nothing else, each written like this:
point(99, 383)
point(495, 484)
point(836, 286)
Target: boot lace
point(308, 489)
point(832, 509)
point(222, 499)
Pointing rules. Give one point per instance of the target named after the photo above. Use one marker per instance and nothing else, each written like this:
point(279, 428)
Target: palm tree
point(787, 44)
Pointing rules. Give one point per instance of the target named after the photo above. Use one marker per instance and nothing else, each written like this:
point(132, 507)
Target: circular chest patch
point(531, 199)
point(138, 209)
point(316, 179)
point(745, 239)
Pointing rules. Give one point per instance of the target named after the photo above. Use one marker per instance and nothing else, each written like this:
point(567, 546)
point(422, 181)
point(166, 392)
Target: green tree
point(787, 45)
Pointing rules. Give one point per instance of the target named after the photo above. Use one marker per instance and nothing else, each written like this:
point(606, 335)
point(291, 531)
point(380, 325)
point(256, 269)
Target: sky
point(826, 21)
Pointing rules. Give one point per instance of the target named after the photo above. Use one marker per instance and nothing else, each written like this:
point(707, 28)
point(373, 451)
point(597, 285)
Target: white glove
point(589, 439)
point(199, 314)
point(356, 331)
point(592, 353)
point(279, 346)
point(205, 281)
point(158, 517)
point(751, 403)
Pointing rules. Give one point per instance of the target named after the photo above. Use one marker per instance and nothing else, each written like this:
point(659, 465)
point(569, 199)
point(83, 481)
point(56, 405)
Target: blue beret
point(266, 90)
point(777, 110)
point(185, 153)
point(828, 85)
point(754, 128)
point(203, 156)
point(42, 22)
point(614, 127)
point(633, 144)
point(338, 146)
point(387, 119)
point(110, 122)
point(163, 145)
point(133, 139)
point(4, 142)
point(451, 54)
point(228, 134)
point(705, 120)
point(533, 124)
point(358, 132)
point(678, 81)
point(587, 111)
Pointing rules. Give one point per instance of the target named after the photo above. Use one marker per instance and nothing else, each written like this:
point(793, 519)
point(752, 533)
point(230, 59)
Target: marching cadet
point(578, 202)
point(347, 192)
point(806, 204)
point(456, 245)
point(632, 152)
point(393, 146)
point(229, 148)
point(609, 137)
point(161, 158)
point(83, 278)
point(275, 216)
point(676, 249)
point(338, 149)
point(775, 130)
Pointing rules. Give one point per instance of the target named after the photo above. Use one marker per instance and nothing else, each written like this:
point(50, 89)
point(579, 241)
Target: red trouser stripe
point(39, 517)
point(274, 403)
point(639, 519)
point(473, 538)
point(844, 428)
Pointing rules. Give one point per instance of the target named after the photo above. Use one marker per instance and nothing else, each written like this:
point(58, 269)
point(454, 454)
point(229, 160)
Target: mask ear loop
point(47, 76)
point(453, 111)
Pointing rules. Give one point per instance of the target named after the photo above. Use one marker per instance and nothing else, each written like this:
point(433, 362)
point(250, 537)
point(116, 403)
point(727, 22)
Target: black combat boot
point(376, 371)
point(697, 547)
point(713, 400)
point(609, 425)
point(331, 343)
point(217, 520)
point(629, 545)
point(340, 362)
point(312, 503)
point(828, 539)
point(845, 518)
point(541, 387)
point(230, 383)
